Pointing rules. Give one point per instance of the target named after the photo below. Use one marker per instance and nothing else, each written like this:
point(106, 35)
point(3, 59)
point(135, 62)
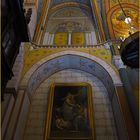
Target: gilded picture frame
point(70, 112)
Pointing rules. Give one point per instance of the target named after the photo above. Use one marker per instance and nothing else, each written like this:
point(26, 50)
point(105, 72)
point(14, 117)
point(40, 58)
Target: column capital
point(117, 61)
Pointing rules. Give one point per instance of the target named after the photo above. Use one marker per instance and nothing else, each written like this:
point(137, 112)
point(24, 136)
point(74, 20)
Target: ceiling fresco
point(56, 2)
point(121, 27)
point(115, 17)
point(114, 2)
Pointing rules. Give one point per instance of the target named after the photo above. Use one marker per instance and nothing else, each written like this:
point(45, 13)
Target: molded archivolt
point(71, 12)
point(56, 2)
point(73, 15)
point(70, 60)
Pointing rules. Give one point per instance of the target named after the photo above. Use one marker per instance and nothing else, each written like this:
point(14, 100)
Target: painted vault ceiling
point(110, 12)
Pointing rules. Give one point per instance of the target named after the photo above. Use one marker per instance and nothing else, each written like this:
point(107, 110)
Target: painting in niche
point(70, 112)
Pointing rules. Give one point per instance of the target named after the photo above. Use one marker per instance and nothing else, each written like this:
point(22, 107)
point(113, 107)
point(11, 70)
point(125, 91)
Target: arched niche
point(69, 19)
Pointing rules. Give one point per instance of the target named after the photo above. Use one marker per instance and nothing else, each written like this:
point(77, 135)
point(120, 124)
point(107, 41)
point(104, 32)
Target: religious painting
point(70, 113)
point(61, 38)
point(78, 38)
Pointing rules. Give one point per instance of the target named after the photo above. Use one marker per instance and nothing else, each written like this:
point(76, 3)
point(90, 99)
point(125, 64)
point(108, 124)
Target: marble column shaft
point(130, 96)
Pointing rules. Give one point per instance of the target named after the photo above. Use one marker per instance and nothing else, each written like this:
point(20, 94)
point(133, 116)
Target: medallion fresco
point(114, 2)
point(117, 26)
point(120, 27)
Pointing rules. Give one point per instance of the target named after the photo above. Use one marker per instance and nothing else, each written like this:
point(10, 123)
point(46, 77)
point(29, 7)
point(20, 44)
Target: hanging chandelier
point(129, 49)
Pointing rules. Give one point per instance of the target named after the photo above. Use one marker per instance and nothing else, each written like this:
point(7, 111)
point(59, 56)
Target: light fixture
point(129, 49)
point(123, 37)
point(118, 47)
point(127, 20)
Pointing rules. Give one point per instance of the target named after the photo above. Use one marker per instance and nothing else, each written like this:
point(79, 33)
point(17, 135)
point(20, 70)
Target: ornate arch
point(68, 4)
point(70, 60)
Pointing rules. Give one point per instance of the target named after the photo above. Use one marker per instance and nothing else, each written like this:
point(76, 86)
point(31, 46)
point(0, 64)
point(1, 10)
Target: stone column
point(45, 41)
point(87, 39)
point(128, 89)
point(124, 122)
point(93, 38)
point(51, 39)
point(69, 38)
